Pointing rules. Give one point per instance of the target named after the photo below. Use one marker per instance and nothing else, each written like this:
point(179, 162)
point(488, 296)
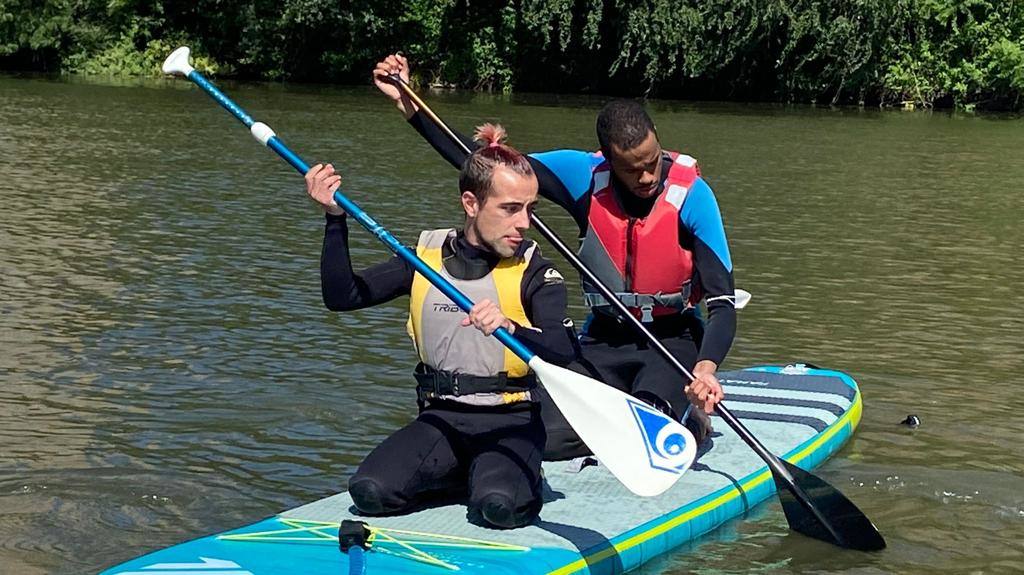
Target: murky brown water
point(167, 368)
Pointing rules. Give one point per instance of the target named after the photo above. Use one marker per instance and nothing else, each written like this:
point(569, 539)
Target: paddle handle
point(397, 80)
point(267, 137)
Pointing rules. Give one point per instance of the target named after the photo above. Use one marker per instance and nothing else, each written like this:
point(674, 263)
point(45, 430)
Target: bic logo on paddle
point(666, 441)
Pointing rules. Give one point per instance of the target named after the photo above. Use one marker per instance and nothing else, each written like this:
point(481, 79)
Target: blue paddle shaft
point(221, 99)
point(365, 220)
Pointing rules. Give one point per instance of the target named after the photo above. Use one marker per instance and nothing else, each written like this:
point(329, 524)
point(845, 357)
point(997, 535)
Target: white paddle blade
point(178, 62)
point(643, 448)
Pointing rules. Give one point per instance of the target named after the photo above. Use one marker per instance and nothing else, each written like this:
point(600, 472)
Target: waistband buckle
point(647, 313)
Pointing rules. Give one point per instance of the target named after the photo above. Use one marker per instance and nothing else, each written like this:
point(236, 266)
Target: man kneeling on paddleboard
point(479, 427)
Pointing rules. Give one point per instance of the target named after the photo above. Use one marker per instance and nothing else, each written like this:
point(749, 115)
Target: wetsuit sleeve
point(565, 178)
point(562, 175)
point(704, 234)
point(345, 290)
point(439, 140)
point(545, 300)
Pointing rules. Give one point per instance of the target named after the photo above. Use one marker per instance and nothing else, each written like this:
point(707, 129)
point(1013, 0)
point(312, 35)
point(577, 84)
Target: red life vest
point(640, 259)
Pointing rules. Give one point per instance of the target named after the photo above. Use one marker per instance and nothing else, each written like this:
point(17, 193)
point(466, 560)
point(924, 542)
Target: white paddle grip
point(177, 62)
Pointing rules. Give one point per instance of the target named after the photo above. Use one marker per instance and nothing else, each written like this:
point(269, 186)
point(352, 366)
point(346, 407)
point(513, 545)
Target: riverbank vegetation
point(963, 53)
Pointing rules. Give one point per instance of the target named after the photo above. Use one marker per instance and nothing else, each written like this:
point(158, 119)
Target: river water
point(167, 368)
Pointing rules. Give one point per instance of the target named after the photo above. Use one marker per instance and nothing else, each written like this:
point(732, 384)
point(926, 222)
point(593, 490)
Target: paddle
point(643, 448)
point(812, 506)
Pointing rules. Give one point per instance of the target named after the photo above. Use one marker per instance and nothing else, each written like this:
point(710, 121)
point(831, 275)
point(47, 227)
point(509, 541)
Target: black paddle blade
point(818, 510)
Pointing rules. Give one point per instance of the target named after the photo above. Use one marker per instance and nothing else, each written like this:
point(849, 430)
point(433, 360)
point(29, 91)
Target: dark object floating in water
point(911, 421)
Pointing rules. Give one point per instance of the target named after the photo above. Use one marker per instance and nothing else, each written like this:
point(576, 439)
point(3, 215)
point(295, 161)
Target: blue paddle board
point(590, 523)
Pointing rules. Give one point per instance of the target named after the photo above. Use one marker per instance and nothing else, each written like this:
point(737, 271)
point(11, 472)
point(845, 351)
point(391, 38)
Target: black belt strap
point(432, 383)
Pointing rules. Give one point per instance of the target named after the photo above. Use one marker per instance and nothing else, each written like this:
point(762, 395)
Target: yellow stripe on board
point(850, 418)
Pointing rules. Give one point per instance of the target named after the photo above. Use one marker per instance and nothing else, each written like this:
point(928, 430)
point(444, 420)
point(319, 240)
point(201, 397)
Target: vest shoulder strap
point(434, 238)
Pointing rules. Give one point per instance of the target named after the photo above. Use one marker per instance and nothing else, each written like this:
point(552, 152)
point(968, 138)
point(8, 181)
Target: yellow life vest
point(442, 343)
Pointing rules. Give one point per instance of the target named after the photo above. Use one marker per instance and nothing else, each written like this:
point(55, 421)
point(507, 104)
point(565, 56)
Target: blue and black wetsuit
point(612, 350)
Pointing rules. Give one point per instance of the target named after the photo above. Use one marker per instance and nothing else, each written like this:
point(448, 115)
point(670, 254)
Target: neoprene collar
point(468, 262)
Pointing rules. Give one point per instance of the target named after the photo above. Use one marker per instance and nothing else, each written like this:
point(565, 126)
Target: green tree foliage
point(966, 52)
point(932, 52)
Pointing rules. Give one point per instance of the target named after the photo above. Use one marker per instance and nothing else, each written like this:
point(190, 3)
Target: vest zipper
point(629, 255)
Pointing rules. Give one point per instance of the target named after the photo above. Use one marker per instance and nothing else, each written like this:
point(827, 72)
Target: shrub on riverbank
point(931, 52)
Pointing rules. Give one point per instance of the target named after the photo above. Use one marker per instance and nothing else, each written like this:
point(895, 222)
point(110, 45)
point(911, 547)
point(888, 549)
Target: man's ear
point(470, 204)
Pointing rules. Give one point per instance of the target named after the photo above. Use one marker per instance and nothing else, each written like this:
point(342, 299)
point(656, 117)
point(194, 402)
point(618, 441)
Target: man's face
point(639, 168)
point(500, 221)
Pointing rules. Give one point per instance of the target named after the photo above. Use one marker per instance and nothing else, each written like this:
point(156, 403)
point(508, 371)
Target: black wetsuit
point(612, 350)
point(490, 453)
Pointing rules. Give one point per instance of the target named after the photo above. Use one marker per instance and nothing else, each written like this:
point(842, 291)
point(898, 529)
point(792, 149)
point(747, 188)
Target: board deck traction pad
point(590, 523)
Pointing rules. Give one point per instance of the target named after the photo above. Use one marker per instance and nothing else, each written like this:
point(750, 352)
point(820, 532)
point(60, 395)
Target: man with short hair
point(479, 429)
point(652, 232)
